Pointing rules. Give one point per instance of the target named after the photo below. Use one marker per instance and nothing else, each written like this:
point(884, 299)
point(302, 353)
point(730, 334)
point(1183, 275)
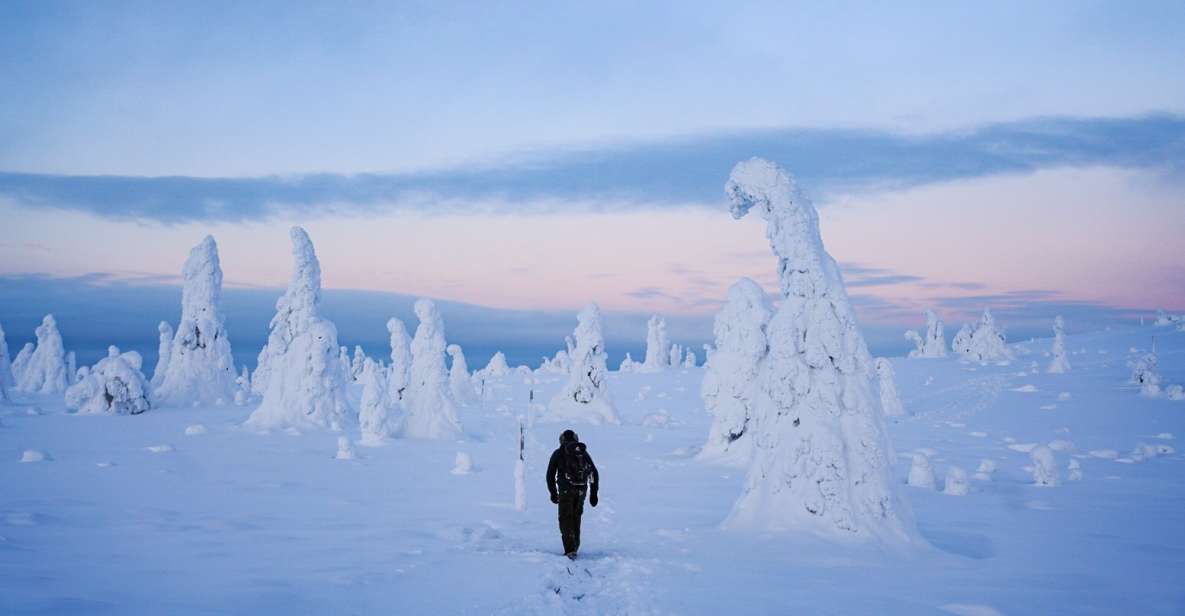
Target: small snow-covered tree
point(243, 388)
point(823, 462)
point(1146, 373)
point(431, 412)
point(676, 355)
point(164, 350)
point(343, 359)
point(921, 475)
point(934, 343)
point(45, 370)
point(1074, 470)
point(689, 360)
point(497, 368)
point(982, 341)
point(7, 379)
point(1060, 363)
point(306, 386)
point(459, 379)
point(956, 482)
point(201, 369)
point(657, 345)
point(114, 386)
point(1162, 319)
point(586, 394)
point(730, 378)
point(628, 364)
point(374, 408)
point(560, 364)
point(887, 380)
point(399, 373)
point(22, 361)
point(1044, 467)
point(358, 364)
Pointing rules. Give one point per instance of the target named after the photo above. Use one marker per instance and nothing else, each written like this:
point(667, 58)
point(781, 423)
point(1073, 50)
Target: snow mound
point(1044, 467)
point(114, 386)
point(921, 475)
point(956, 482)
point(159, 448)
point(986, 469)
point(33, 455)
point(463, 464)
point(195, 430)
point(345, 451)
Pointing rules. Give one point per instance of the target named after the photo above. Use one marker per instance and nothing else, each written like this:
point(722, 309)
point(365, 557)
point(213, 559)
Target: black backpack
point(576, 466)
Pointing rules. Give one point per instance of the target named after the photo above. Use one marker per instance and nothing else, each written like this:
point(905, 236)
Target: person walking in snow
point(570, 475)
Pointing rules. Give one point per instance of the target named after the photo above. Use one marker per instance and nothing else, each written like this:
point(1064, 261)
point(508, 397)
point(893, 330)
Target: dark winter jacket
point(557, 482)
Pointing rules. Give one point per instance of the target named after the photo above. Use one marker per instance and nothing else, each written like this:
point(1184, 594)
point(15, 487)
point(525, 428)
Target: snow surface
point(237, 522)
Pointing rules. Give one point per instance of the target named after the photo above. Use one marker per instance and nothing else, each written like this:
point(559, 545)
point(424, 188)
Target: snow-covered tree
point(823, 462)
point(1044, 467)
point(400, 370)
point(585, 397)
point(1074, 470)
point(343, 359)
point(676, 355)
point(628, 364)
point(22, 361)
point(981, 341)
point(164, 350)
point(921, 475)
point(459, 379)
point(45, 370)
point(887, 380)
point(114, 386)
point(985, 470)
point(689, 360)
point(306, 386)
point(7, 379)
point(358, 364)
point(934, 344)
point(657, 346)
point(497, 368)
point(560, 364)
point(374, 408)
point(1162, 319)
point(201, 369)
point(243, 388)
point(431, 412)
point(1060, 363)
point(1146, 373)
point(730, 378)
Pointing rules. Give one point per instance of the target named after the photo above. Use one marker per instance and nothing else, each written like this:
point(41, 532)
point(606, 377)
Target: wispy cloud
point(682, 171)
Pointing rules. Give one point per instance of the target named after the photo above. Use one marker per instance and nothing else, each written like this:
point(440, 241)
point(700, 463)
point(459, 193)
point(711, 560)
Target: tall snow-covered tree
point(201, 369)
point(164, 350)
point(934, 344)
point(21, 361)
point(400, 370)
point(823, 462)
point(114, 386)
point(887, 384)
point(981, 341)
point(431, 412)
point(374, 408)
point(730, 377)
point(658, 346)
point(45, 370)
point(306, 387)
point(459, 379)
point(1060, 363)
point(585, 397)
point(6, 377)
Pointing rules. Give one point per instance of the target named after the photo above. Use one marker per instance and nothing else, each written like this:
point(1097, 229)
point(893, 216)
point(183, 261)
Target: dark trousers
point(571, 508)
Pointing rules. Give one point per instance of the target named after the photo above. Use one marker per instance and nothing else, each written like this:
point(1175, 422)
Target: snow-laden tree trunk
point(399, 373)
point(658, 347)
point(7, 379)
point(982, 341)
point(1060, 363)
point(431, 412)
point(459, 379)
point(44, 371)
point(823, 463)
point(306, 387)
point(164, 350)
point(934, 343)
point(730, 378)
point(374, 408)
point(200, 369)
point(585, 397)
point(887, 382)
point(114, 386)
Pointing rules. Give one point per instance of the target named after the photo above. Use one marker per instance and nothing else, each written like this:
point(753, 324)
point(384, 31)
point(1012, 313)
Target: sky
point(517, 160)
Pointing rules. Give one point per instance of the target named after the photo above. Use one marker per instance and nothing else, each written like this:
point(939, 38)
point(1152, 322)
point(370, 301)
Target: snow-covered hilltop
point(823, 463)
